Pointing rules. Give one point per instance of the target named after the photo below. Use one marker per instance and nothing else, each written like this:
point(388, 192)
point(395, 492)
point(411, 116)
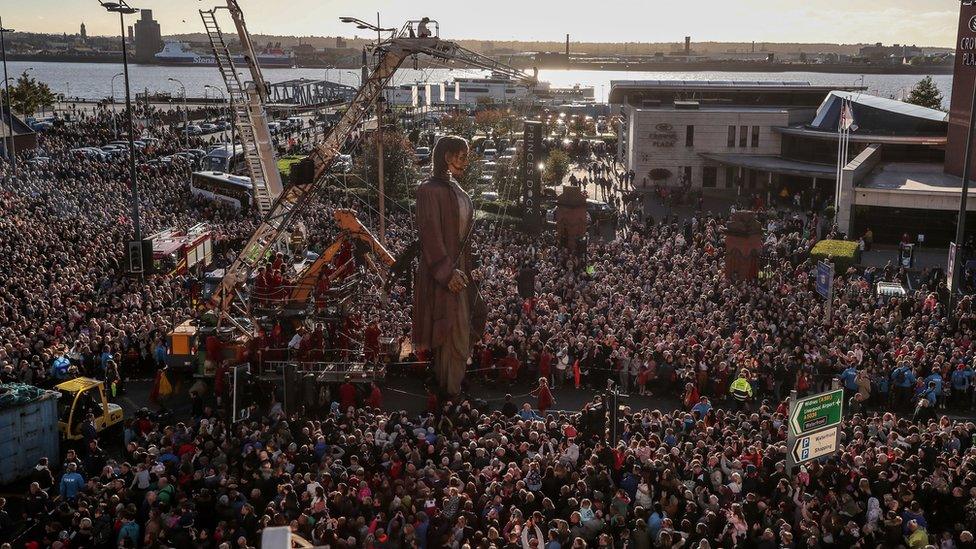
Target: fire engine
point(177, 252)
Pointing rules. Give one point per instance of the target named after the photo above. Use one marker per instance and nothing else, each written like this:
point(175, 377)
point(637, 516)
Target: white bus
point(221, 159)
point(235, 190)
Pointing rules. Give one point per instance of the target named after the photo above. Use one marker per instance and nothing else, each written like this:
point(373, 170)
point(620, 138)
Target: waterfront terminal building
point(779, 139)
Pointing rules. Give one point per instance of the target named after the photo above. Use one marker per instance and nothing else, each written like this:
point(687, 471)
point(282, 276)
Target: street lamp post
point(961, 222)
point(115, 126)
point(186, 111)
point(227, 114)
point(122, 8)
point(12, 151)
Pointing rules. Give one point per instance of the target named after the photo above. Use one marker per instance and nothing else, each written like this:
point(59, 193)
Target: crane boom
point(390, 54)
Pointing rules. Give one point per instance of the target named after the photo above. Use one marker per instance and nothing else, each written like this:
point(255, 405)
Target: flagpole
point(843, 154)
point(840, 134)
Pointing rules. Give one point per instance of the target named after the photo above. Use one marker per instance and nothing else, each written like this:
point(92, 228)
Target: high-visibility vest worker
point(741, 389)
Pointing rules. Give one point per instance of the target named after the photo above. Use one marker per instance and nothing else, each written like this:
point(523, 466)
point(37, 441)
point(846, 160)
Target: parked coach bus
point(235, 190)
point(222, 158)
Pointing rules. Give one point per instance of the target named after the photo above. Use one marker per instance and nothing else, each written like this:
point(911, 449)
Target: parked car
point(93, 153)
point(196, 153)
point(490, 154)
point(193, 129)
point(208, 128)
point(422, 154)
point(113, 150)
point(600, 211)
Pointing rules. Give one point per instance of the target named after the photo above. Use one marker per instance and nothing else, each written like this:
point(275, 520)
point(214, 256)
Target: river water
point(94, 80)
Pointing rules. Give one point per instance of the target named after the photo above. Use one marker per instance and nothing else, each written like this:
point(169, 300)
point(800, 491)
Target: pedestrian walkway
point(925, 258)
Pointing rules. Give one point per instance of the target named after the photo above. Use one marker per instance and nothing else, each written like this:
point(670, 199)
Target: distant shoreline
point(716, 66)
point(835, 68)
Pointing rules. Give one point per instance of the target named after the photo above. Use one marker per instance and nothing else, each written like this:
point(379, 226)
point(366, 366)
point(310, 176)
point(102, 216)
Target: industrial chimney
point(567, 51)
point(687, 45)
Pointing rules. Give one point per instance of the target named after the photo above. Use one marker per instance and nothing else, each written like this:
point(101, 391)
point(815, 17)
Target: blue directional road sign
point(825, 278)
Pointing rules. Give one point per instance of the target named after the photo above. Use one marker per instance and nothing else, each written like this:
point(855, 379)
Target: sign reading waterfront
point(814, 445)
point(817, 412)
point(813, 429)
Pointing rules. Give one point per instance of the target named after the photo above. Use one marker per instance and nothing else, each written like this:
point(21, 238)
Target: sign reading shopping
point(815, 445)
point(817, 412)
point(814, 426)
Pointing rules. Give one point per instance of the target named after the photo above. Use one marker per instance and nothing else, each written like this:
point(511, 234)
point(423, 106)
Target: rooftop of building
point(715, 108)
point(829, 111)
point(914, 177)
point(744, 85)
point(773, 164)
point(742, 92)
point(20, 127)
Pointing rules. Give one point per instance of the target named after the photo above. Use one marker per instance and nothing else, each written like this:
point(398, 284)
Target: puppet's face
point(457, 163)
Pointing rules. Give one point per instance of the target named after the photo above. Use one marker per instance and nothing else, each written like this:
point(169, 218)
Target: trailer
point(28, 429)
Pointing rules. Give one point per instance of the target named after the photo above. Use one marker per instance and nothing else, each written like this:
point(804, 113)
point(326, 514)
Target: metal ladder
point(250, 120)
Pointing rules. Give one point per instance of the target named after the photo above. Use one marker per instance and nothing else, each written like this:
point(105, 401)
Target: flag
point(428, 100)
point(443, 89)
point(846, 118)
point(413, 95)
point(576, 373)
point(457, 90)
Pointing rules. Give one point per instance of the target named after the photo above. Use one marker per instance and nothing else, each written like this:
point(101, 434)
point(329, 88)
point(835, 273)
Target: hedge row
point(843, 253)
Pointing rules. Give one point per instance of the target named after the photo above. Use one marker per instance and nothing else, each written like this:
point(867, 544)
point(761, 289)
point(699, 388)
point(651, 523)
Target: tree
point(580, 125)
point(486, 120)
point(458, 123)
point(557, 166)
point(925, 94)
point(399, 165)
point(28, 96)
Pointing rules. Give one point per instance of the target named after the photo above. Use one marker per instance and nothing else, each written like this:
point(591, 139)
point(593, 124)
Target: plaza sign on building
point(814, 426)
point(663, 135)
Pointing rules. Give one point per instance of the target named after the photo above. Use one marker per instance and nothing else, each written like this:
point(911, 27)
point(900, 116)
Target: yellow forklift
point(82, 396)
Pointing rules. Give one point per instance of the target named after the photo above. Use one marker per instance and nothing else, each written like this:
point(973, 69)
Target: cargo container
point(28, 429)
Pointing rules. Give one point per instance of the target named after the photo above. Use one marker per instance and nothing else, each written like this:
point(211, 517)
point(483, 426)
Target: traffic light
point(241, 391)
point(135, 257)
point(139, 257)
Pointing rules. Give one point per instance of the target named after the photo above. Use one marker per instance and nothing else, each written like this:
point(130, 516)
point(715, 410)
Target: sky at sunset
point(922, 22)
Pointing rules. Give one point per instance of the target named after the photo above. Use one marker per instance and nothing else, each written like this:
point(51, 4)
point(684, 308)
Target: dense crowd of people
point(650, 309)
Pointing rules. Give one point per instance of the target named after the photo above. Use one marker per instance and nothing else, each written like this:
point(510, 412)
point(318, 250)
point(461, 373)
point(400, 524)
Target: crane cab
point(82, 396)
